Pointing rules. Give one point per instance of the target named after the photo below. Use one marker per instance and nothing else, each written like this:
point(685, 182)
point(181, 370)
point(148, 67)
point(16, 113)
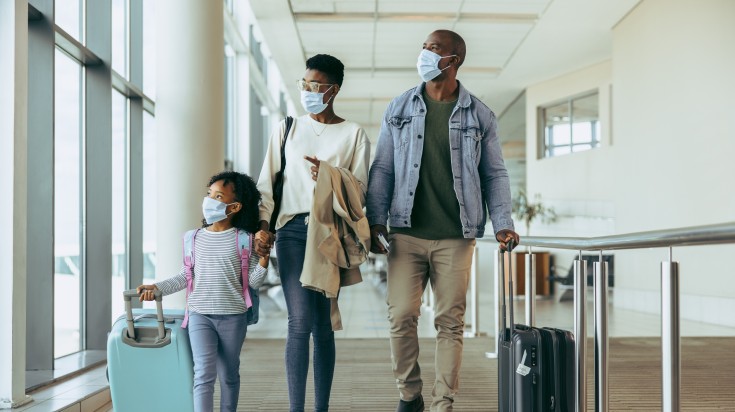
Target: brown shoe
point(416, 405)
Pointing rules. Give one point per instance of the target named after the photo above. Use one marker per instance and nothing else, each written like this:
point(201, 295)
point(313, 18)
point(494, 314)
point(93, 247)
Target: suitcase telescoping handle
point(509, 247)
point(132, 293)
point(508, 336)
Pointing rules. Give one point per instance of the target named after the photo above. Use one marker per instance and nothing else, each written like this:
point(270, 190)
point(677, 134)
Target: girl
point(217, 309)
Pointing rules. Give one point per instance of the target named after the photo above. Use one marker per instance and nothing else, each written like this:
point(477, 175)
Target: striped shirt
point(217, 275)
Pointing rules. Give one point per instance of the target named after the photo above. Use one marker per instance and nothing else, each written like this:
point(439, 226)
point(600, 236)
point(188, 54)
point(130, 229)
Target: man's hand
point(506, 235)
point(375, 245)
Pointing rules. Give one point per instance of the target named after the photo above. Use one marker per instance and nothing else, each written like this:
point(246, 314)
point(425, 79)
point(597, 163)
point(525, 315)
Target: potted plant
point(526, 211)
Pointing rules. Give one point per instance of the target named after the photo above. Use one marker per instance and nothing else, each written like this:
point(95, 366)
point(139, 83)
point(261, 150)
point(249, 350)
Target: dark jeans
point(308, 315)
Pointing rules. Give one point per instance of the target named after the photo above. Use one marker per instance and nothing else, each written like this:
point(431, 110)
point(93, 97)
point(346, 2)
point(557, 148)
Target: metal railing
point(670, 332)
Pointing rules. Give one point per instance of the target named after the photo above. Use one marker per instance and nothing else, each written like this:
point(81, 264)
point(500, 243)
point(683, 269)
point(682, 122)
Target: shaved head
point(458, 46)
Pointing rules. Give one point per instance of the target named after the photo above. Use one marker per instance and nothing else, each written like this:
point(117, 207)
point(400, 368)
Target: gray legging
point(216, 342)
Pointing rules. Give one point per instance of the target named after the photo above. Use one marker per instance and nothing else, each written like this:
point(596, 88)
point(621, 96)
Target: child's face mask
point(214, 210)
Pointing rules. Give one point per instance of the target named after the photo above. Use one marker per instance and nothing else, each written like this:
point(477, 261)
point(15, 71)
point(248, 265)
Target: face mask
point(312, 101)
point(214, 210)
point(428, 64)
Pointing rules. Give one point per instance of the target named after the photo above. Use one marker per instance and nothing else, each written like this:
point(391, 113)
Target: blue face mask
point(312, 101)
point(214, 210)
point(428, 64)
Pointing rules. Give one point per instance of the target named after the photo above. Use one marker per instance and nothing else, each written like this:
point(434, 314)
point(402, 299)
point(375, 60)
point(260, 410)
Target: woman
point(319, 136)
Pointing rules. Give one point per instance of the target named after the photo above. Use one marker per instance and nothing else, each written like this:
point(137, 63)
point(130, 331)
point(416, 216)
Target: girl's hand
point(315, 168)
point(264, 261)
point(146, 292)
point(263, 242)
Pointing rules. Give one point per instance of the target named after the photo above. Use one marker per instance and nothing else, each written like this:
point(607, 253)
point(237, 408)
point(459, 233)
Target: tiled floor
point(364, 316)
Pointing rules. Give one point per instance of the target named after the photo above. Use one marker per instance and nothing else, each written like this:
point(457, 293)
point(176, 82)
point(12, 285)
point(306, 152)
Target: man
point(437, 170)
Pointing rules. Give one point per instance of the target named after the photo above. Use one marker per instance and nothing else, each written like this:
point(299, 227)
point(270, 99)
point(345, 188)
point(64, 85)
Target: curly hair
point(246, 192)
point(329, 65)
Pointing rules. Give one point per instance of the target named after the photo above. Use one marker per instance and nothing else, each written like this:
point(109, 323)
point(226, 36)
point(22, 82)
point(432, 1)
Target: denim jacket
point(480, 178)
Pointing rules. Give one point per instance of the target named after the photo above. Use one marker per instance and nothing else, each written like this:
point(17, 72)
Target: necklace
point(323, 128)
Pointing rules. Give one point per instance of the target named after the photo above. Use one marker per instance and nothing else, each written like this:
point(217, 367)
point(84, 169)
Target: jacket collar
point(463, 100)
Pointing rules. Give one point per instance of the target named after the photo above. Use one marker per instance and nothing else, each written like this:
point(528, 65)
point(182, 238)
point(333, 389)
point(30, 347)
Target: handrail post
point(530, 288)
point(474, 297)
point(580, 332)
point(496, 303)
point(670, 336)
point(601, 338)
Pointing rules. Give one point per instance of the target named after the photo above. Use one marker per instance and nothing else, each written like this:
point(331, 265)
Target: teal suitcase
point(149, 362)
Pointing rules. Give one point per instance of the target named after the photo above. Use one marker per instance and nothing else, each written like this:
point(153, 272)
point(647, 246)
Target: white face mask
point(428, 64)
point(312, 101)
point(214, 210)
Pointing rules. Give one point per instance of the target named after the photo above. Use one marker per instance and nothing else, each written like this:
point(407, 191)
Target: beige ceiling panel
point(491, 45)
point(418, 7)
point(341, 6)
point(351, 43)
point(505, 6)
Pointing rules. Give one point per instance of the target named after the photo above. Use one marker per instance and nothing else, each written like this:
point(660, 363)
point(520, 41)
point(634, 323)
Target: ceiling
point(511, 44)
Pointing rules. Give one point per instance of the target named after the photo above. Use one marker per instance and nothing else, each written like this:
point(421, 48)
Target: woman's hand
point(147, 292)
point(315, 166)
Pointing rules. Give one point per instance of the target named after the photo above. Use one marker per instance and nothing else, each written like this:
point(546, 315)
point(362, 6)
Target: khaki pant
point(411, 264)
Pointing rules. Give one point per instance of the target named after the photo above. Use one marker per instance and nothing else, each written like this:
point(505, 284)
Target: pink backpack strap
point(244, 246)
point(189, 241)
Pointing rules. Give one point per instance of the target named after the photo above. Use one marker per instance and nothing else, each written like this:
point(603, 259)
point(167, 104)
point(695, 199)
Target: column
point(13, 185)
point(189, 121)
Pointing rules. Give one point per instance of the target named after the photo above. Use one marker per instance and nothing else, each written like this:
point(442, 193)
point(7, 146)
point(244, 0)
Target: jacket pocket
point(401, 130)
point(398, 121)
point(471, 138)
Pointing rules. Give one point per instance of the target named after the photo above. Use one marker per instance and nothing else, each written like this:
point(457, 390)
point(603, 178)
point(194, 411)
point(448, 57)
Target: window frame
point(545, 150)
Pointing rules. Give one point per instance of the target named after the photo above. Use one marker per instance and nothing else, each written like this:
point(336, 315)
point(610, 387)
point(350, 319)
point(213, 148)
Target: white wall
point(667, 160)
point(577, 186)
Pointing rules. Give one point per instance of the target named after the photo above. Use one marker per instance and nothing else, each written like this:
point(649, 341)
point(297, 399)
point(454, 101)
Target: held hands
point(506, 235)
point(264, 240)
point(315, 166)
point(375, 245)
point(147, 292)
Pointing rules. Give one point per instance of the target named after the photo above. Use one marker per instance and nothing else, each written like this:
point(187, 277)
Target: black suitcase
point(535, 365)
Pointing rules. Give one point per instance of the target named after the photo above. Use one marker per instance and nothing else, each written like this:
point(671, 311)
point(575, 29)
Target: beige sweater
point(342, 145)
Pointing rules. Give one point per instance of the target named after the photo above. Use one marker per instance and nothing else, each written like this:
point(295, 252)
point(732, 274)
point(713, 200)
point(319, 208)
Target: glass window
point(571, 126)
point(68, 15)
point(120, 24)
point(149, 198)
point(119, 201)
point(67, 204)
point(149, 49)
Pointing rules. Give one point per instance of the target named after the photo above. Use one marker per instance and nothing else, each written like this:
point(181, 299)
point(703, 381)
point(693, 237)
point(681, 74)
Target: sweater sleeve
point(361, 161)
point(256, 273)
point(173, 284)
point(271, 166)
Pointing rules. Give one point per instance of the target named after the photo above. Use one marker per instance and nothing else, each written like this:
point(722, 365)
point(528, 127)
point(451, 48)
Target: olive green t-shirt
point(435, 213)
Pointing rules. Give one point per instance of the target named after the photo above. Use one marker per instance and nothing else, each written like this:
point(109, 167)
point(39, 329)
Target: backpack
point(244, 244)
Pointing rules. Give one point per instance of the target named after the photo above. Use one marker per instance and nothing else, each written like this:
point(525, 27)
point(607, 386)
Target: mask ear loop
point(449, 65)
point(227, 214)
